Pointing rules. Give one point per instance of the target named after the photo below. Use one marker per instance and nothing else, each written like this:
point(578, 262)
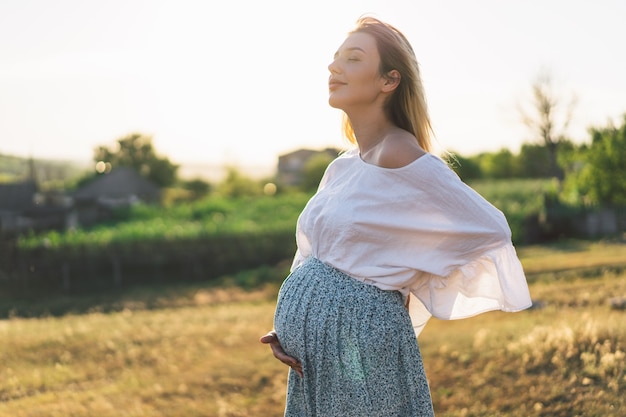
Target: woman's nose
point(332, 67)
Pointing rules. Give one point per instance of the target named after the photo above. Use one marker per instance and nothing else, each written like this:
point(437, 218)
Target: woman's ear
point(392, 80)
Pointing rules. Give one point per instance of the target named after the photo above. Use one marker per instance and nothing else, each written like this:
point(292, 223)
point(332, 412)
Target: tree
point(500, 164)
point(136, 151)
point(534, 161)
point(466, 168)
point(601, 178)
point(236, 184)
point(549, 119)
point(197, 187)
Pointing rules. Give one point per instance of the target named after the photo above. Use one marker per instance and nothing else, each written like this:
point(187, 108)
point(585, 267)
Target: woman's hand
point(272, 339)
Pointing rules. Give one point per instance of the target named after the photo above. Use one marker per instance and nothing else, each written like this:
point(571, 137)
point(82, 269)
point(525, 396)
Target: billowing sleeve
point(469, 265)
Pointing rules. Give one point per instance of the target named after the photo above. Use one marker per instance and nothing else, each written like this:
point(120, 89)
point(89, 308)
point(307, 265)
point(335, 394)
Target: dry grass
point(197, 354)
point(553, 362)
point(573, 255)
point(192, 361)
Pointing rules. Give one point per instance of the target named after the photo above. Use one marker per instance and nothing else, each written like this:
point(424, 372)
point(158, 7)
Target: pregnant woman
point(391, 238)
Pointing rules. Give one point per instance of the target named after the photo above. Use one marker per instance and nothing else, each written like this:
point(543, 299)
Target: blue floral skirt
point(357, 346)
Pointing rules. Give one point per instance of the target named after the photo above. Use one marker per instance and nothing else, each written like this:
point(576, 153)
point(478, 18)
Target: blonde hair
point(406, 107)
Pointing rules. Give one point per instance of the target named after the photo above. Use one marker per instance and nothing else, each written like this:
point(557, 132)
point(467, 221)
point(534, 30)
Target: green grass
point(192, 350)
point(515, 196)
point(211, 216)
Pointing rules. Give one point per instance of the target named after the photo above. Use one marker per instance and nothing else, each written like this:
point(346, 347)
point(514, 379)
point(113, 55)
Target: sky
point(240, 82)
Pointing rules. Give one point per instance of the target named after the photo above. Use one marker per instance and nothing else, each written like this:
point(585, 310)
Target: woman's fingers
point(269, 338)
point(280, 354)
point(272, 339)
point(298, 369)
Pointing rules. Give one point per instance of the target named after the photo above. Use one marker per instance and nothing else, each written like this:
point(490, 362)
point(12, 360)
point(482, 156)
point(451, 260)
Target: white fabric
point(416, 229)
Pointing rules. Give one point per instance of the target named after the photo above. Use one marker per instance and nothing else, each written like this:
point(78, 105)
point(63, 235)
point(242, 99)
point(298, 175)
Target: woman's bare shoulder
point(398, 150)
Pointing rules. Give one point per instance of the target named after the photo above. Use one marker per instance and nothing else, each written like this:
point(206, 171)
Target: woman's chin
point(333, 102)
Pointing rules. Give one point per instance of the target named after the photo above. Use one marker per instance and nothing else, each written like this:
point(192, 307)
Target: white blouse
point(417, 229)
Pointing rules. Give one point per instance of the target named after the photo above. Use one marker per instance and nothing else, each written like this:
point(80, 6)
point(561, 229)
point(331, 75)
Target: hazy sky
point(239, 82)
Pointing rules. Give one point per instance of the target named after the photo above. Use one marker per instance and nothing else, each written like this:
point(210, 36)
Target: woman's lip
point(332, 85)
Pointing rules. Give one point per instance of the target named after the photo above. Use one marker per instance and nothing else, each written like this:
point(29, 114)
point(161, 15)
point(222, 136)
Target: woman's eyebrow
point(353, 48)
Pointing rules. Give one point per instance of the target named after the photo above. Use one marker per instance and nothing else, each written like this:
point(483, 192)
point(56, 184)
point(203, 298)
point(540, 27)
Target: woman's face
point(355, 79)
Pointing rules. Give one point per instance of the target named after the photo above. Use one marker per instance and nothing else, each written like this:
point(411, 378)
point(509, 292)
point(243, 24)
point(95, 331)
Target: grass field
point(193, 350)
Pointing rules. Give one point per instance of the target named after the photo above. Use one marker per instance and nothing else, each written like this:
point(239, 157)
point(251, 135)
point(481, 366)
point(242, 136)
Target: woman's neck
point(370, 131)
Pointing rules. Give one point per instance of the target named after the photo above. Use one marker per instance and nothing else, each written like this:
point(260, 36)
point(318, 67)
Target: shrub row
point(79, 269)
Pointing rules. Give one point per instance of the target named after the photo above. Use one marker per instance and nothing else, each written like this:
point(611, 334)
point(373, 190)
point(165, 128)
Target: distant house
point(17, 196)
point(121, 187)
point(15, 199)
point(23, 208)
point(291, 165)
